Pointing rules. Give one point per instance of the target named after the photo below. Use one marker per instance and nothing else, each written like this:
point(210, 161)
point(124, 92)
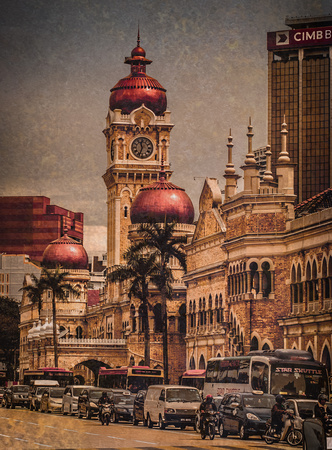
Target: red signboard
point(308, 37)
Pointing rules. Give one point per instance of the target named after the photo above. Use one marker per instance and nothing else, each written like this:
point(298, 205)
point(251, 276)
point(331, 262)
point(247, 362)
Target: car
point(51, 399)
point(35, 398)
point(36, 389)
point(17, 396)
point(2, 391)
point(123, 405)
point(70, 398)
point(138, 408)
point(245, 414)
point(87, 403)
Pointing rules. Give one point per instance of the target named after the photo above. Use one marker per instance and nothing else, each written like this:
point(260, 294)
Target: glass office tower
point(299, 84)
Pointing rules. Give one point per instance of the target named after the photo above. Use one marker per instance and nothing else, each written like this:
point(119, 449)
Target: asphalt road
point(24, 429)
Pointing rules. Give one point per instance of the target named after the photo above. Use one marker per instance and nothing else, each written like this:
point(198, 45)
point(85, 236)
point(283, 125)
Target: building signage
point(307, 37)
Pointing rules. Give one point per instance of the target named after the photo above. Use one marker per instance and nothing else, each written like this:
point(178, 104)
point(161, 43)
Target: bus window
point(212, 371)
point(259, 376)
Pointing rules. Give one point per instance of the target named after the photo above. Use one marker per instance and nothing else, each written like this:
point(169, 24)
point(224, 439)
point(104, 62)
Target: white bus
point(291, 373)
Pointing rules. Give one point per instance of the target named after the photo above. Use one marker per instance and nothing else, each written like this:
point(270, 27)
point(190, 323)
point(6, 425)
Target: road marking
point(43, 445)
point(7, 418)
point(73, 431)
point(144, 442)
point(92, 434)
point(32, 423)
point(50, 426)
point(4, 435)
point(19, 439)
point(121, 439)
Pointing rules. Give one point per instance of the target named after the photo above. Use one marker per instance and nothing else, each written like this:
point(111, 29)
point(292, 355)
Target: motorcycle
point(105, 416)
point(293, 436)
point(209, 425)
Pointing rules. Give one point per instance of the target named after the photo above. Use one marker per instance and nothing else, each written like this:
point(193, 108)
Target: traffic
point(279, 398)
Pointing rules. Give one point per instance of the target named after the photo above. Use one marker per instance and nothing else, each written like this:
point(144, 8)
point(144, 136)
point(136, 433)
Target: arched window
point(79, 332)
point(131, 361)
point(201, 362)
point(266, 279)
point(254, 344)
point(266, 346)
point(158, 323)
point(192, 364)
point(182, 319)
point(133, 318)
point(326, 359)
point(125, 212)
point(254, 277)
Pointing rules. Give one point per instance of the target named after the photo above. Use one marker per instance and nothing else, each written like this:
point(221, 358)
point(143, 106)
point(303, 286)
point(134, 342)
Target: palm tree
point(160, 240)
point(54, 280)
point(34, 291)
point(139, 269)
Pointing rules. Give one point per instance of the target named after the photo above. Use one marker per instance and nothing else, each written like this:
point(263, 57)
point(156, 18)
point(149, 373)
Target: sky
point(59, 59)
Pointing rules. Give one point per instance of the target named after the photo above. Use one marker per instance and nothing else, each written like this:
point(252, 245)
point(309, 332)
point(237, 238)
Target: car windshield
point(124, 399)
point(39, 390)
point(252, 401)
point(182, 395)
point(20, 388)
point(76, 391)
point(57, 392)
point(95, 394)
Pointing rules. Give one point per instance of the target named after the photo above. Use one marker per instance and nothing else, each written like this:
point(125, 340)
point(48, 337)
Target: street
point(23, 429)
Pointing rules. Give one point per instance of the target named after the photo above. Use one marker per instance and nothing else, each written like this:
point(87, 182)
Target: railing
point(74, 341)
point(297, 308)
point(327, 303)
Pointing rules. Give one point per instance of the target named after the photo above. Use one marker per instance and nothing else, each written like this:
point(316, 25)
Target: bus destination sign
point(307, 37)
point(152, 372)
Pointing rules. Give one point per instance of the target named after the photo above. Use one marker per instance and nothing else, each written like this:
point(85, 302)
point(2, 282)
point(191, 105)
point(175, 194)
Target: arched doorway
point(326, 359)
point(87, 371)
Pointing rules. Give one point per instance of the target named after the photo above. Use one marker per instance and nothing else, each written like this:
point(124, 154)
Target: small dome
point(65, 252)
point(162, 200)
point(138, 88)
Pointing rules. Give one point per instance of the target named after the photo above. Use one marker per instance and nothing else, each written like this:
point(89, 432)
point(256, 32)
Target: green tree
point(138, 269)
point(54, 280)
point(160, 241)
point(35, 292)
point(10, 334)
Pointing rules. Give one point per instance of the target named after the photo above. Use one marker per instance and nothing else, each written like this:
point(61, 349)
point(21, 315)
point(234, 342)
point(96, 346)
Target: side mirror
point(162, 398)
point(234, 405)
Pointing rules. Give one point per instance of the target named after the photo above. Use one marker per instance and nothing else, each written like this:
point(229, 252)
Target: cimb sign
point(308, 37)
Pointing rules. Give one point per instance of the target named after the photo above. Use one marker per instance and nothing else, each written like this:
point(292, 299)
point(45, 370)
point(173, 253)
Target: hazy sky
point(59, 60)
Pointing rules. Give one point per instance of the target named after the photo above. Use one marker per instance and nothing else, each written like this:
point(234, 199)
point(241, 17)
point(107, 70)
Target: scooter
point(209, 425)
point(105, 416)
point(293, 436)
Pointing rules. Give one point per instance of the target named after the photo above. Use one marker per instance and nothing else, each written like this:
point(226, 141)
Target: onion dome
point(138, 88)
point(162, 201)
point(31, 332)
point(65, 252)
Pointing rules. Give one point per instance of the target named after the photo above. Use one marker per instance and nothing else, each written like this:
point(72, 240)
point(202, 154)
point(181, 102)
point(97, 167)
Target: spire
point(138, 37)
point(250, 157)
point(284, 155)
point(268, 173)
point(230, 170)
point(162, 173)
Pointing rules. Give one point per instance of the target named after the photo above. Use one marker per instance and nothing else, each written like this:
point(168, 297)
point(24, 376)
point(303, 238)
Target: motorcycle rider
point(206, 406)
point(104, 399)
point(322, 411)
point(277, 413)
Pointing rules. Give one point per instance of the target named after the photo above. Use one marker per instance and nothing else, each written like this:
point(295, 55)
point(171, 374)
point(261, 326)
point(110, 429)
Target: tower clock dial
point(142, 147)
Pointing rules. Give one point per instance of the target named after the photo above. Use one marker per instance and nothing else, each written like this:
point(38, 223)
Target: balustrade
point(71, 341)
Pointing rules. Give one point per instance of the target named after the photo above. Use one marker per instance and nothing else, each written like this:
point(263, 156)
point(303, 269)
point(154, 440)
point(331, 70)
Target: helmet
point(104, 394)
point(280, 399)
point(209, 398)
point(322, 398)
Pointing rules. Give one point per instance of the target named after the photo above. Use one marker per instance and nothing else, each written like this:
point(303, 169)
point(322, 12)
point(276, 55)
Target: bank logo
point(282, 38)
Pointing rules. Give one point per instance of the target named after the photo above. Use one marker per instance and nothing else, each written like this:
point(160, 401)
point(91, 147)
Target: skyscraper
point(299, 87)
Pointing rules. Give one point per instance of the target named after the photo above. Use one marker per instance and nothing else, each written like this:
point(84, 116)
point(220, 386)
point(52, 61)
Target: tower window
point(126, 211)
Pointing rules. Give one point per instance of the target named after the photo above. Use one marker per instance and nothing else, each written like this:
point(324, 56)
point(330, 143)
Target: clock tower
point(137, 142)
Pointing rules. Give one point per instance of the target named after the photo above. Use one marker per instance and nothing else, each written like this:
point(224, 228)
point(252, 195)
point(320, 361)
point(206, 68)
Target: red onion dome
point(138, 88)
point(65, 252)
point(162, 200)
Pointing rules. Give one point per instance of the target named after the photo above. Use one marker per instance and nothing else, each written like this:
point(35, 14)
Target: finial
point(284, 155)
point(268, 173)
point(65, 230)
point(230, 170)
point(162, 174)
point(250, 157)
point(138, 37)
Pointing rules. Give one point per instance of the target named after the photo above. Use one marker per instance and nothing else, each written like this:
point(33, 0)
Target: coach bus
point(194, 378)
point(291, 373)
point(63, 376)
point(132, 378)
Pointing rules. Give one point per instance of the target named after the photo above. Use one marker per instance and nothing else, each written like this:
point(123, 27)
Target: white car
point(70, 398)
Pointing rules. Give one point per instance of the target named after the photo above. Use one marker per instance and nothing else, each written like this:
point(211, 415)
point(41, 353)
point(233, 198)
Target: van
point(35, 393)
point(171, 405)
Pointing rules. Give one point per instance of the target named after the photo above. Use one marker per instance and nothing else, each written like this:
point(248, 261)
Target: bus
point(132, 378)
point(194, 378)
point(63, 376)
point(291, 373)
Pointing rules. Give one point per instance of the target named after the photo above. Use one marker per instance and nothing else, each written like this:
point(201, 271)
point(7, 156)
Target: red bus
point(194, 378)
point(132, 378)
point(63, 376)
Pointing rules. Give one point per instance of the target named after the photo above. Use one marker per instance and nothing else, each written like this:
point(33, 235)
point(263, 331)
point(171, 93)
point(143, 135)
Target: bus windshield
point(298, 381)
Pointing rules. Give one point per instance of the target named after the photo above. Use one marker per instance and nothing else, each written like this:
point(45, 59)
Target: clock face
point(142, 147)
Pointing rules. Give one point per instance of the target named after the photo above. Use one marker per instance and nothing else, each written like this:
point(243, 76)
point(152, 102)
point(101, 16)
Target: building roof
point(323, 200)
